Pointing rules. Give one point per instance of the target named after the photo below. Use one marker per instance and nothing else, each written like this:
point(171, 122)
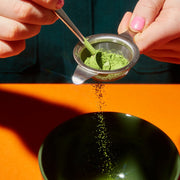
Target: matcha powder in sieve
point(104, 60)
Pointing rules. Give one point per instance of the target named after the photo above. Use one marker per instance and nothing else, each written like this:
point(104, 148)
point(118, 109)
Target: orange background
point(30, 111)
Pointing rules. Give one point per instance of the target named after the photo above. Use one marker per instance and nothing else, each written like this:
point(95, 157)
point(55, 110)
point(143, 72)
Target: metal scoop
point(67, 21)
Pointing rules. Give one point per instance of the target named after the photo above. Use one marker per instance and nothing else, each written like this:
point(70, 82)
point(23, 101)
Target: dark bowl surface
point(114, 146)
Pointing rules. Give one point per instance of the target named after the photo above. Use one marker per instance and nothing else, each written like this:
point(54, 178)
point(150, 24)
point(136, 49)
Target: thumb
point(144, 14)
point(124, 24)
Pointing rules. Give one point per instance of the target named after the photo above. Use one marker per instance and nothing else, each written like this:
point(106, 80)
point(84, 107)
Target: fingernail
point(60, 4)
point(137, 23)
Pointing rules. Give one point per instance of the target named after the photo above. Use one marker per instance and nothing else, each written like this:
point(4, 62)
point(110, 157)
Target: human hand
point(20, 20)
point(156, 28)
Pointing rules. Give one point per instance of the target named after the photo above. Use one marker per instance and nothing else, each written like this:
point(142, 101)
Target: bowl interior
point(112, 146)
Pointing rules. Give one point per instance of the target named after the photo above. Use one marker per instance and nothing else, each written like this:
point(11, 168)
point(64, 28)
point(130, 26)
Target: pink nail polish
point(137, 23)
point(60, 4)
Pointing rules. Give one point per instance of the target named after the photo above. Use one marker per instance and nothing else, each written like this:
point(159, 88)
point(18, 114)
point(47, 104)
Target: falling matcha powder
point(102, 136)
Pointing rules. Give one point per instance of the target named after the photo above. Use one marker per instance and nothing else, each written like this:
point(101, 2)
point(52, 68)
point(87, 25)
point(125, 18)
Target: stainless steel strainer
point(121, 44)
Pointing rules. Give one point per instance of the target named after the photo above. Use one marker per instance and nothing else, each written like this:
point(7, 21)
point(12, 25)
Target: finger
point(26, 12)
point(173, 44)
point(50, 4)
point(13, 48)
point(166, 59)
point(124, 24)
point(164, 53)
point(145, 13)
point(12, 30)
point(158, 33)
point(168, 53)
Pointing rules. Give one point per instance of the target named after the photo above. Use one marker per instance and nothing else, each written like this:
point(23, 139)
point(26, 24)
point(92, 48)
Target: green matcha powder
point(102, 136)
point(102, 60)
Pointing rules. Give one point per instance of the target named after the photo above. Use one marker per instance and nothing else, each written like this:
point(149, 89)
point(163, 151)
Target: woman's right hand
point(156, 28)
point(21, 20)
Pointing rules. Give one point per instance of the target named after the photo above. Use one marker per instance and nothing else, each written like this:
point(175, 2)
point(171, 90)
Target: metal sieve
point(121, 44)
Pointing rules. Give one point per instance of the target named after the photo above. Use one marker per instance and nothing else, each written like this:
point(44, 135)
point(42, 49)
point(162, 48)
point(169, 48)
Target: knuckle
point(1, 49)
point(29, 13)
point(49, 4)
point(12, 31)
point(152, 5)
point(23, 10)
point(37, 30)
point(19, 31)
point(51, 20)
point(11, 48)
point(22, 46)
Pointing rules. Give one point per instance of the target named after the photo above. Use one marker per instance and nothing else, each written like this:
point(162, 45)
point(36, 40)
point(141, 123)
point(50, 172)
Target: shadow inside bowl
point(114, 146)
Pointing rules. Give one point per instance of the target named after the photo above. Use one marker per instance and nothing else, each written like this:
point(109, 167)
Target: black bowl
point(108, 146)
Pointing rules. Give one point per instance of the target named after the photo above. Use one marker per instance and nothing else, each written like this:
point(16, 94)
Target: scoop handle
point(66, 20)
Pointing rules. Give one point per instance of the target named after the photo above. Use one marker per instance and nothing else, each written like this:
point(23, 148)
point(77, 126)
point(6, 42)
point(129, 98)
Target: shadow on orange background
point(30, 118)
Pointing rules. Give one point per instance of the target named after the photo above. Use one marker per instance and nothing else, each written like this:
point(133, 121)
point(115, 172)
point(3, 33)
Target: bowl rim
point(40, 161)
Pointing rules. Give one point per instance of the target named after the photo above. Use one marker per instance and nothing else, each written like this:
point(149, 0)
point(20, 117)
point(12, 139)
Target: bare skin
point(159, 35)
point(22, 19)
